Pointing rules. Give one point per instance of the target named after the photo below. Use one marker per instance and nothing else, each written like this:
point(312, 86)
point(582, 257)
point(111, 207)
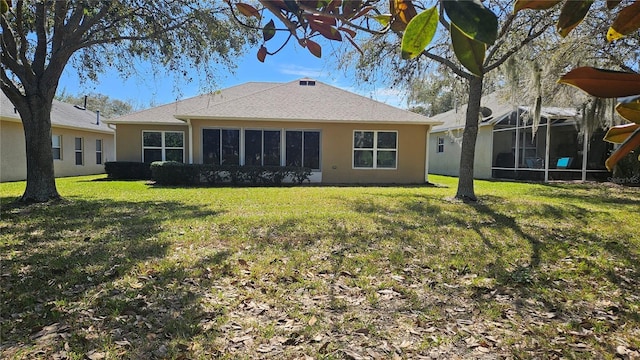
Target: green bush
point(127, 170)
point(174, 173)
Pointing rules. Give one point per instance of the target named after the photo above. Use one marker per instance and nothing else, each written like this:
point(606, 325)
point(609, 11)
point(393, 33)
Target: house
point(81, 142)
point(509, 147)
point(341, 136)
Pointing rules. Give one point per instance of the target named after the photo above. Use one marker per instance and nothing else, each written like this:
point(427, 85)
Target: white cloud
point(301, 71)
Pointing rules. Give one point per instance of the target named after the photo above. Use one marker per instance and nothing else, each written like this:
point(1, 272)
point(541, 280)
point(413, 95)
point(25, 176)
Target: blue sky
point(292, 63)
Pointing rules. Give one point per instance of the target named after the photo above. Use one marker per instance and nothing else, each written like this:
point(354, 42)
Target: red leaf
point(247, 10)
point(326, 30)
point(603, 83)
point(262, 53)
point(314, 48)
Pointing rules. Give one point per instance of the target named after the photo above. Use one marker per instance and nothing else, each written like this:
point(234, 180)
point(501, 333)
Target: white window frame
point(59, 147)
point(78, 151)
point(375, 150)
point(163, 146)
point(440, 145)
point(99, 151)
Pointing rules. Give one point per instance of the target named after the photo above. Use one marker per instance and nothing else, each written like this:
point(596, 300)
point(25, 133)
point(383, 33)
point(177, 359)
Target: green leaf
point(269, 30)
point(4, 6)
point(469, 52)
point(534, 4)
point(572, 14)
point(473, 19)
point(383, 19)
point(627, 21)
point(419, 33)
point(603, 83)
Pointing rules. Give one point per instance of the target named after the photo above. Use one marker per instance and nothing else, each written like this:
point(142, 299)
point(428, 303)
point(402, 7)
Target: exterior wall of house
point(13, 159)
point(13, 164)
point(129, 140)
point(336, 150)
point(448, 161)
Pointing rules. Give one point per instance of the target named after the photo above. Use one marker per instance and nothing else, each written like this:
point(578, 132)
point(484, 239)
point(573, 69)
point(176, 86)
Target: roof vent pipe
point(85, 102)
point(97, 117)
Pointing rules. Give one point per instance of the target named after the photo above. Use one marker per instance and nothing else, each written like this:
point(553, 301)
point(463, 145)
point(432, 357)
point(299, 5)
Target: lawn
point(128, 270)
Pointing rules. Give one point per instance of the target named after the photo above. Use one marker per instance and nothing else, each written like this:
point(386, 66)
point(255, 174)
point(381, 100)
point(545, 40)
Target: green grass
point(127, 270)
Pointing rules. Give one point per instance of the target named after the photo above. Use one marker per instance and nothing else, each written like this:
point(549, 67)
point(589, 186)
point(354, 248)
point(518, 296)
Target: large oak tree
point(40, 38)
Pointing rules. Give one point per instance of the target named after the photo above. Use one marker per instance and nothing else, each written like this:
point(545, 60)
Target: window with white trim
point(56, 146)
point(440, 144)
point(162, 146)
point(98, 151)
point(375, 149)
point(79, 145)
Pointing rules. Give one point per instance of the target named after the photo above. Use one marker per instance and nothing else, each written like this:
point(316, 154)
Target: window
point(303, 149)
point(98, 151)
point(375, 149)
point(56, 147)
point(262, 147)
point(221, 146)
point(440, 144)
point(78, 148)
point(162, 146)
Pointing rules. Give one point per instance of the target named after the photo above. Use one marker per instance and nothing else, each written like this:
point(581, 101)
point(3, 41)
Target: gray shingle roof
point(62, 115)
point(278, 102)
point(500, 107)
point(165, 114)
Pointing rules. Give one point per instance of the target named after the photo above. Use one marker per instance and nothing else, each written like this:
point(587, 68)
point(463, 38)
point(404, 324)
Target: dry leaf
point(313, 320)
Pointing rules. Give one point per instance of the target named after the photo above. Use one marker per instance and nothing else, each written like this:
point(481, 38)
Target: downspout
point(190, 141)
point(426, 155)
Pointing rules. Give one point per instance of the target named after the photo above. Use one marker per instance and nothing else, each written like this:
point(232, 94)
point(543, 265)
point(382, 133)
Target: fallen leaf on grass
point(313, 320)
point(95, 355)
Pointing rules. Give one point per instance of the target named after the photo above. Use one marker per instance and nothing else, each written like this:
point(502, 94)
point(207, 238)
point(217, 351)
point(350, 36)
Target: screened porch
point(556, 151)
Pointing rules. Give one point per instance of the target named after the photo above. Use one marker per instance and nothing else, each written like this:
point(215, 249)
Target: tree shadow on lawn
point(596, 194)
point(85, 274)
point(553, 234)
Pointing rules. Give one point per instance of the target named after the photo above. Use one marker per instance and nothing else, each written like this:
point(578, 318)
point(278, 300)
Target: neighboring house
point(341, 136)
point(81, 142)
point(508, 147)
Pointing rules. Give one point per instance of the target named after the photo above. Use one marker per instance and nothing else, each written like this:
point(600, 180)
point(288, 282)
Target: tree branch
point(40, 56)
point(513, 50)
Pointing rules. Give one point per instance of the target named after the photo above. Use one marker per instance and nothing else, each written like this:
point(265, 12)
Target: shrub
point(127, 170)
point(174, 173)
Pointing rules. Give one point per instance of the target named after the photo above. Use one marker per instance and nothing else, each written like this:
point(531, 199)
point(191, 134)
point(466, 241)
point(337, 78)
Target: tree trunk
point(465, 181)
point(36, 121)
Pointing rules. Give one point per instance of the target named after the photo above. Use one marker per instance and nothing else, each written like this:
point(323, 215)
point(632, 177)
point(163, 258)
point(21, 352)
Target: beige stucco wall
point(448, 162)
point(336, 148)
point(129, 140)
point(13, 159)
point(13, 164)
